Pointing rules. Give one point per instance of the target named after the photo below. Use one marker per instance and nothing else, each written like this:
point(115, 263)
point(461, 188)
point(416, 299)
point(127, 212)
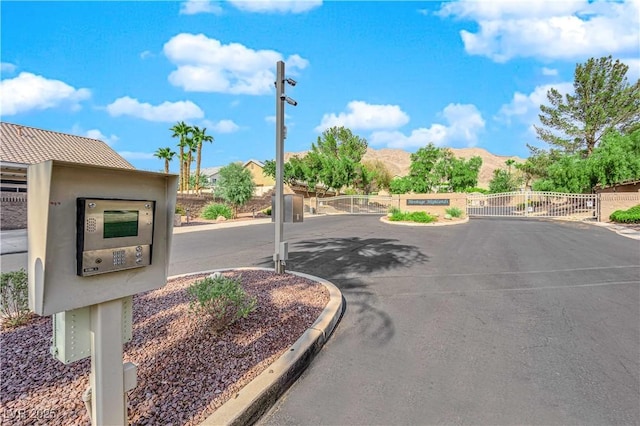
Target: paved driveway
point(494, 322)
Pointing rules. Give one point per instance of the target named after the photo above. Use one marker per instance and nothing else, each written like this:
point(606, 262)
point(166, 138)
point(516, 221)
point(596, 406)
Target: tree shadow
point(346, 262)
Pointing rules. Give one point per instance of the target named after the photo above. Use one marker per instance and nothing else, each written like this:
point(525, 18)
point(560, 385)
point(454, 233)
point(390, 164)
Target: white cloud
point(206, 65)
point(94, 134)
point(167, 112)
point(549, 71)
point(364, 116)
point(7, 67)
point(193, 7)
point(129, 155)
point(633, 74)
point(276, 6)
point(526, 107)
point(464, 123)
point(28, 92)
point(146, 54)
point(97, 134)
point(222, 126)
point(548, 29)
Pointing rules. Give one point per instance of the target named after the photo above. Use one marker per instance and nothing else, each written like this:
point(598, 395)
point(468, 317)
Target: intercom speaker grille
point(91, 224)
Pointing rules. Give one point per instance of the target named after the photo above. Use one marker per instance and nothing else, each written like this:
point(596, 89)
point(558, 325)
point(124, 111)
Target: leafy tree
point(181, 130)
point(616, 159)
point(365, 179)
point(423, 162)
point(199, 137)
point(235, 186)
point(464, 173)
point(569, 174)
point(603, 100)
point(502, 181)
point(401, 185)
point(380, 176)
point(165, 154)
point(333, 159)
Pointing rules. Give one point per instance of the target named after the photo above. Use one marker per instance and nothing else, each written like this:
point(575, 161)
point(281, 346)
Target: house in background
point(212, 174)
point(263, 183)
point(21, 146)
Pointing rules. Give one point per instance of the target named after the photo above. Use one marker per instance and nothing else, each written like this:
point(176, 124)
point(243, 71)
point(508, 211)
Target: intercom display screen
point(120, 223)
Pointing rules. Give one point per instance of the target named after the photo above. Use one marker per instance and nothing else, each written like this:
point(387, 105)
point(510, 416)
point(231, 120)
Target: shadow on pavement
point(344, 262)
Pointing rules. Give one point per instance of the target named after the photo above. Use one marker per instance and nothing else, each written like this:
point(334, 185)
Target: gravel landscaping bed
point(185, 372)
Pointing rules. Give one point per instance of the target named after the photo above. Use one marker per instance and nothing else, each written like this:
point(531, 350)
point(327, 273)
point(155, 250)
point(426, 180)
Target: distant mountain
point(398, 160)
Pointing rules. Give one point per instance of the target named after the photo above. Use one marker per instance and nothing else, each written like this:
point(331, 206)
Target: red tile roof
point(28, 145)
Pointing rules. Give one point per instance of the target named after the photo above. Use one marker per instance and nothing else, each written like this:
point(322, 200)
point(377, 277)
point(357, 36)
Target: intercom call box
point(113, 235)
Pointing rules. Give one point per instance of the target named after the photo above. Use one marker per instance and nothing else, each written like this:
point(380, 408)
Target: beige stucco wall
point(258, 177)
point(455, 200)
point(610, 202)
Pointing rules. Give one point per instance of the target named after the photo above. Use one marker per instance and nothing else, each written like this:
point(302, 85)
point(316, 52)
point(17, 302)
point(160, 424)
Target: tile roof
point(28, 145)
point(251, 160)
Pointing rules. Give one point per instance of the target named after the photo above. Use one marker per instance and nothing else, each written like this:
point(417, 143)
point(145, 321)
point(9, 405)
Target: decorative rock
point(447, 216)
point(221, 218)
point(215, 275)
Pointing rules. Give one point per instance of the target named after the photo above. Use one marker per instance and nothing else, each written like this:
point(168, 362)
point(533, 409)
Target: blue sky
point(400, 74)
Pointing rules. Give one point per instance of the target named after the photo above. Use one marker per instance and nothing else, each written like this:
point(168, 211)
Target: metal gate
point(357, 204)
point(533, 204)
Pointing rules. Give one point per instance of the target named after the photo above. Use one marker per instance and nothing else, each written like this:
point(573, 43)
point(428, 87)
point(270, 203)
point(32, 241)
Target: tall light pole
point(280, 255)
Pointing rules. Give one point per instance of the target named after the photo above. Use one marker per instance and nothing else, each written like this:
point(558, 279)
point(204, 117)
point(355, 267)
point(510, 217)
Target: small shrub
point(476, 189)
point(14, 297)
point(212, 211)
point(454, 211)
point(420, 217)
point(267, 211)
point(396, 215)
point(221, 299)
point(180, 209)
point(631, 215)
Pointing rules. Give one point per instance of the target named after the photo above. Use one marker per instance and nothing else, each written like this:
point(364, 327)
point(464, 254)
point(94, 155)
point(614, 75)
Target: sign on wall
point(428, 202)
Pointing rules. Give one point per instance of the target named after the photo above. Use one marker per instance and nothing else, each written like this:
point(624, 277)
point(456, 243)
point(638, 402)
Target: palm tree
point(510, 162)
point(199, 137)
point(189, 149)
point(165, 154)
point(181, 130)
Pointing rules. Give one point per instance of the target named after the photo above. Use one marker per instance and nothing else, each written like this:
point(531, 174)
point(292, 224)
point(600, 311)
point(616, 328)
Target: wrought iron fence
point(533, 204)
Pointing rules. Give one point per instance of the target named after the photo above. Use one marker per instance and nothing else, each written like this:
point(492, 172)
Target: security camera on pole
point(281, 247)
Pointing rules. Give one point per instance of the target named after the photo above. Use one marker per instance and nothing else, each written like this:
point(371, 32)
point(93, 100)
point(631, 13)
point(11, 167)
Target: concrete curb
point(257, 397)
point(383, 219)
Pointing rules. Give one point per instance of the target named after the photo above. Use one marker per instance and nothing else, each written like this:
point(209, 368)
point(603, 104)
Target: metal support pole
point(279, 202)
point(107, 380)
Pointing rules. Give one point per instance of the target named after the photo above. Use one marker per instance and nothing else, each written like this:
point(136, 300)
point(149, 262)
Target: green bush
point(221, 299)
point(420, 217)
point(454, 212)
point(267, 211)
point(212, 211)
point(396, 215)
point(14, 297)
point(476, 189)
point(626, 216)
point(180, 209)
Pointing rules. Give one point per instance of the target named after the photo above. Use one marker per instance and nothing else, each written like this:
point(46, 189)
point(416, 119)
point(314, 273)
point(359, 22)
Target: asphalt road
point(494, 322)
point(498, 321)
